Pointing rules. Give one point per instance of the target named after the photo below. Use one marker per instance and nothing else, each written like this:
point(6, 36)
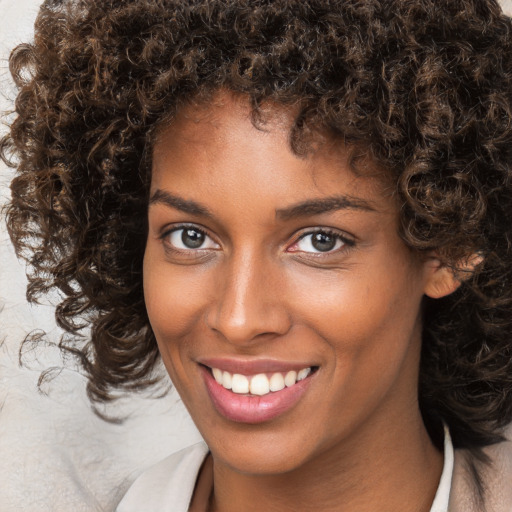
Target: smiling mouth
point(260, 384)
point(255, 392)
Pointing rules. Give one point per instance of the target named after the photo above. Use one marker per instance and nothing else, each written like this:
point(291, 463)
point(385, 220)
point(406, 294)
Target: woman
point(305, 209)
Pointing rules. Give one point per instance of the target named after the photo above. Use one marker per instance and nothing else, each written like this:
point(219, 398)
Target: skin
point(355, 440)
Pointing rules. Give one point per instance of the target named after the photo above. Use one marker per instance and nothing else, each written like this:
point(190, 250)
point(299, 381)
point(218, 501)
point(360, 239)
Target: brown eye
point(319, 242)
point(190, 238)
point(323, 242)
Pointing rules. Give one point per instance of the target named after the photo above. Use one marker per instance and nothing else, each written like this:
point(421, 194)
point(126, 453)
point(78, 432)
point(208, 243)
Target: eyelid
point(347, 240)
point(168, 229)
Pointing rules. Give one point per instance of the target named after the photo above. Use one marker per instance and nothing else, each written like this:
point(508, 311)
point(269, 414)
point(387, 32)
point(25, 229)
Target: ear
point(442, 280)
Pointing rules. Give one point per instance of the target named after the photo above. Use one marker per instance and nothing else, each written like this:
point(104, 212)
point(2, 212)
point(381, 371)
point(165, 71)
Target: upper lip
point(252, 366)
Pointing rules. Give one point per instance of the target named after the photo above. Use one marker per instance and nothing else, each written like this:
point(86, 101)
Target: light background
point(55, 454)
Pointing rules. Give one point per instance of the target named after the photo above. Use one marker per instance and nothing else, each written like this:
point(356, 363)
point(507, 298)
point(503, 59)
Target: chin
point(256, 463)
point(261, 453)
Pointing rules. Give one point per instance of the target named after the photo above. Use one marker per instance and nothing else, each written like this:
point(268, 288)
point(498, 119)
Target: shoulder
point(480, 486)
point(170, 483)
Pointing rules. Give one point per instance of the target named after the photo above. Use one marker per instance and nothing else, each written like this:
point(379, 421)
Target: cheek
point(174, 299)
point(355, 300)
point(369, 318)
point(175, 305)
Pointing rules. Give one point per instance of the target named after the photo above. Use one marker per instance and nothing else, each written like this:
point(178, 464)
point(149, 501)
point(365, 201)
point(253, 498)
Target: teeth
point(226, 380)
point(276, 382)
point(258, 384)
point(217, 375)
point(290, 379)
point(303, 373)
point(240, 384)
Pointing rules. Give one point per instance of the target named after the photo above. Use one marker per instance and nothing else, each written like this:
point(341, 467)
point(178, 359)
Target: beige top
point(168, 486)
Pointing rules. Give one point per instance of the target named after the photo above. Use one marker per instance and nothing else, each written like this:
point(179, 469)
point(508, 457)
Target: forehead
point(221, 144)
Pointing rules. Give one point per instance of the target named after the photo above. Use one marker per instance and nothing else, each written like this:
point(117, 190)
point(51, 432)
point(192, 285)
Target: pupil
point(192, 238)
point(323, 242)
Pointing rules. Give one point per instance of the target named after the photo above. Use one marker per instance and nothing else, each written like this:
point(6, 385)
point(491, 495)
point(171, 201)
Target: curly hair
point(425, 86)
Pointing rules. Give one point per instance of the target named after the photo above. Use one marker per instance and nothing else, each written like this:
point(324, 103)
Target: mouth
point(260, 384)
point(254, 397)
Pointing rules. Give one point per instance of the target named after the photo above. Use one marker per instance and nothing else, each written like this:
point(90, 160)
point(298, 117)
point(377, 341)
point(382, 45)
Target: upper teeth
point(258, 384)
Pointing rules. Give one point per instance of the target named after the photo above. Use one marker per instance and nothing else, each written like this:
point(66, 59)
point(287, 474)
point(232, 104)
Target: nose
point(249, 303)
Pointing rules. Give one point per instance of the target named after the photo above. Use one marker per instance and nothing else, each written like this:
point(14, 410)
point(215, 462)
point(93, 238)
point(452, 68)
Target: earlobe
point(441, 282)
point(444, 280)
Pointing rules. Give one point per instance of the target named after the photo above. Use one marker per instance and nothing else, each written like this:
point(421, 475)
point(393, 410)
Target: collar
point(172, 481)
point(442, 496)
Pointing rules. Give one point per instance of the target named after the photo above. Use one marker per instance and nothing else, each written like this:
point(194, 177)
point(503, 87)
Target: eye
point(190, 238)
point(321, 241)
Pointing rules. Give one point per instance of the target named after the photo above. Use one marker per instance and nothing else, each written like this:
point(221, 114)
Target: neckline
point(203, 488)
point(442, 497)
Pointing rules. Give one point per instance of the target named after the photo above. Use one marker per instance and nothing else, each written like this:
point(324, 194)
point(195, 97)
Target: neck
point(397, 470)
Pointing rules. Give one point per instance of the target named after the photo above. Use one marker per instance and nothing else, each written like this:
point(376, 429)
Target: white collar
point(169, 484)
point(442, 496)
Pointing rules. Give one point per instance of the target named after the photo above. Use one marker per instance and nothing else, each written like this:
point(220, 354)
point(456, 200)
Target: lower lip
point(253, 409)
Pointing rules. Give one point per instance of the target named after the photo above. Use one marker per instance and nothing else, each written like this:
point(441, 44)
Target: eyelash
point(346, 242)
point(189, 251)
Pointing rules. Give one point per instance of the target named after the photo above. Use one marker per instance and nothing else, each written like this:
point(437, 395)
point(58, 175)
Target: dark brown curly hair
point(424, 85)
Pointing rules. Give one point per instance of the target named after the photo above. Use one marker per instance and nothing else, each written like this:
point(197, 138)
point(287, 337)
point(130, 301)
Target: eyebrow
point(303, 209)
point(324, 205)
point(178, 203)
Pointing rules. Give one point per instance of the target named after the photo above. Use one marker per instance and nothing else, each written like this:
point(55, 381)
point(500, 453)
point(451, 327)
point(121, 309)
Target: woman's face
point(263, 263)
